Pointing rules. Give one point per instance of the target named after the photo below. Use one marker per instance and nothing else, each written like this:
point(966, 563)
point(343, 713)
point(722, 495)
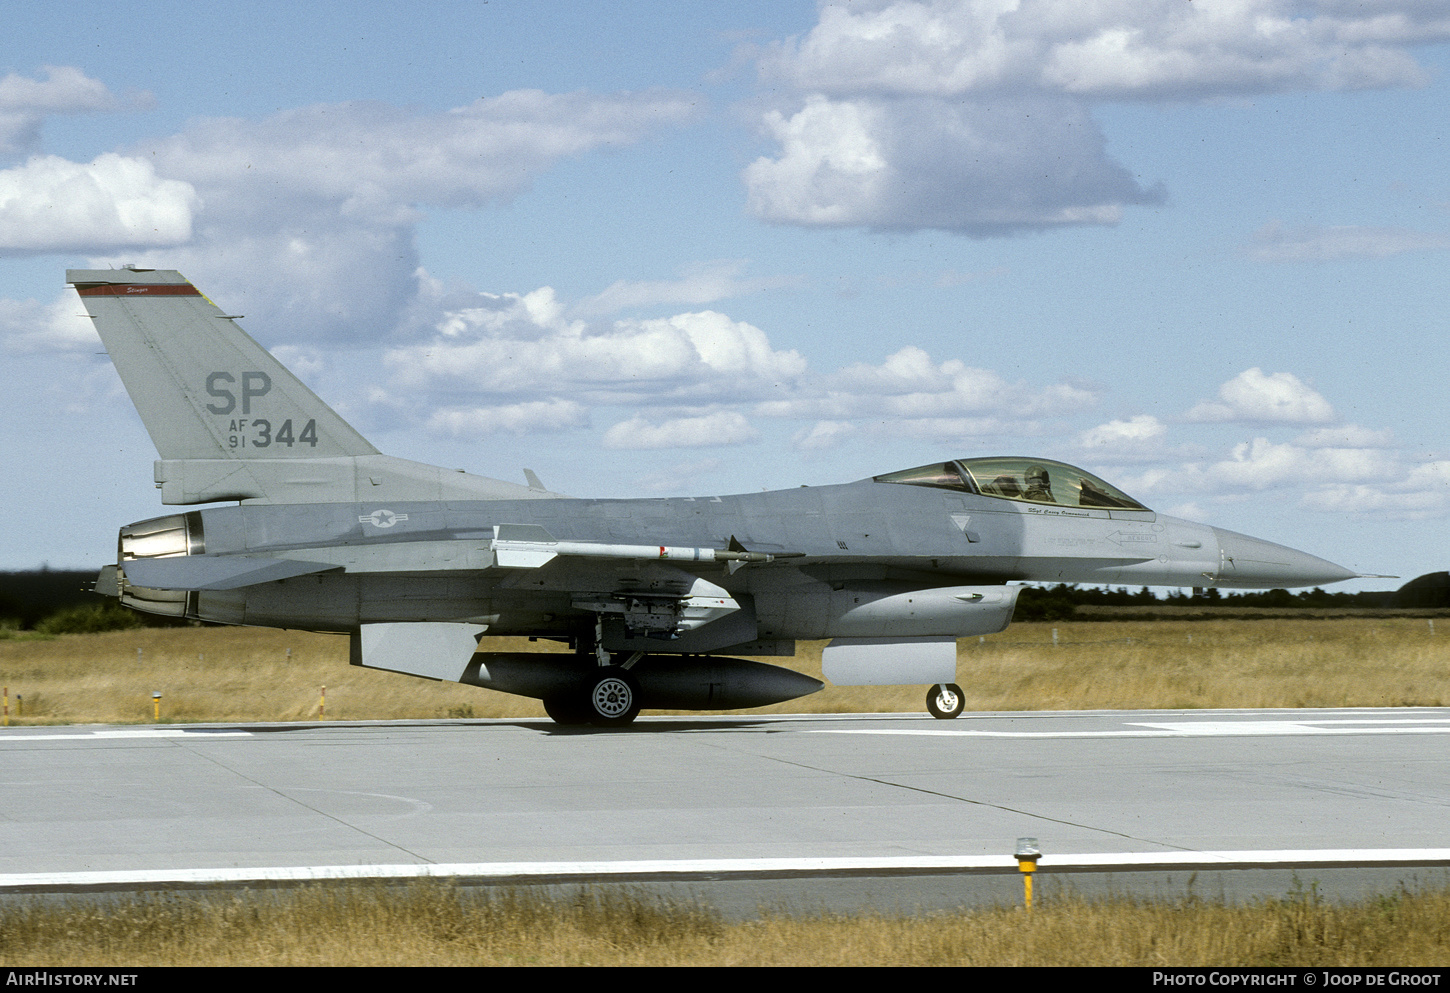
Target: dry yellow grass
point(245, 674)
point(224, 674)
point(1347, 662)
point(441, 925)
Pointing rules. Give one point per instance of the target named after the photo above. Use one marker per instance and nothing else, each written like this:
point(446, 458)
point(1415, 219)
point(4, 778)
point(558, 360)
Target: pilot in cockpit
point(1039, 486)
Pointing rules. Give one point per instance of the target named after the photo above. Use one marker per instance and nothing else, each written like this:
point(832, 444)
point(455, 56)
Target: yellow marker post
point(322, 703)
point(156, 707)
point(1027, 855)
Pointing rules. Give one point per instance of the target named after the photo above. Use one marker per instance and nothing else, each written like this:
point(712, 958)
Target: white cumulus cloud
point(1136, 431)
point(1401, 503)
point(978, 169)
point(975, 115)
point(51, 204)
point(823, 435)
point(520, 362)
point(698, 284)
point(523, 361)
point(519, 418)
point(726, 427)
point(1255, 397)
point(65, 90)
point(507, 344)
point(1347, 469)
point(1422, 492)
point(1262, 464)
point(1159, 49)
point(61, 326)
point(325, 199)
point(26, 102)
point(910, 384)
point(371, 160)
point(952, 430)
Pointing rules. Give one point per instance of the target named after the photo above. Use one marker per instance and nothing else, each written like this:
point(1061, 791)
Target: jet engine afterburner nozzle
point(171, 536)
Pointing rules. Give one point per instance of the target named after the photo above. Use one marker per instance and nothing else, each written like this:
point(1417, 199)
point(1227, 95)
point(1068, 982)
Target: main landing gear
point(945, 701)
point(613, 699)
point(608, 696)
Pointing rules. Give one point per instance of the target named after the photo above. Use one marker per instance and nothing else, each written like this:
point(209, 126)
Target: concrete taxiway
point(894, 811)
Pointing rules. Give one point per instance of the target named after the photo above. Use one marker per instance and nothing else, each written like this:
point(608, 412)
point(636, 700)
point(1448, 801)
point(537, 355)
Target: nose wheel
point(945, 701)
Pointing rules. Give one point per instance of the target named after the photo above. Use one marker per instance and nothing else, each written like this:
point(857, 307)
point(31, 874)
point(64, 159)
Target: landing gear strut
point(945, 701)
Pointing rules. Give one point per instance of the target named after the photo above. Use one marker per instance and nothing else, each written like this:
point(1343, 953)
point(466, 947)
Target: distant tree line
point(27, 598)
point(1062, 601)
point(60, 601)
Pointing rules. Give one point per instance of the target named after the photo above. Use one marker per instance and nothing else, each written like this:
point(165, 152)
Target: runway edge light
point(1027, 855)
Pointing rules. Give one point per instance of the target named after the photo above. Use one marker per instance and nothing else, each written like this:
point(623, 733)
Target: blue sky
point(664, 249)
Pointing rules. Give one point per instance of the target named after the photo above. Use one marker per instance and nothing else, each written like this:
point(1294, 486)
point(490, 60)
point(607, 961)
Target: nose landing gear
point(945, 701)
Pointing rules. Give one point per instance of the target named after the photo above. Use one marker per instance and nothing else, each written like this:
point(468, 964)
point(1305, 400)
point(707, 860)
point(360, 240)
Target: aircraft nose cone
point(1254, 564)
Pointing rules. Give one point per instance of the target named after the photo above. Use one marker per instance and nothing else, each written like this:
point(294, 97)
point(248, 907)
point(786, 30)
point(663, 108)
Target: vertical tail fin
point(203, 388)
point(229, 421)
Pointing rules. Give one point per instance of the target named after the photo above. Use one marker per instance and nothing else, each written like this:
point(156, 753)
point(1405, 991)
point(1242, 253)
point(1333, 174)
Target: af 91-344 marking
point(257, 433)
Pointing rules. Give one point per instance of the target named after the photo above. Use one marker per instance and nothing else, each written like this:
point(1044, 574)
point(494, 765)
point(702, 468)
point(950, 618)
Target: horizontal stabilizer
point(215, 572)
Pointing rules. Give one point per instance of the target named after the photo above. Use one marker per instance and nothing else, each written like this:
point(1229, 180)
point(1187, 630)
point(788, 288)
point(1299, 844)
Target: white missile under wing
point(309, 526)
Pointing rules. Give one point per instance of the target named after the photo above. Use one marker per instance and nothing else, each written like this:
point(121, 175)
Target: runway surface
point(901, 804)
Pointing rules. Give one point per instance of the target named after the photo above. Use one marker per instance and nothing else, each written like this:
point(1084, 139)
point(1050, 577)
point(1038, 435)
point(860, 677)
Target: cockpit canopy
point(1012, 478)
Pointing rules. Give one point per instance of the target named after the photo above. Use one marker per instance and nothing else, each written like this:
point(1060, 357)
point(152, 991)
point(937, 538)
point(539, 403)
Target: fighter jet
point(655, 598)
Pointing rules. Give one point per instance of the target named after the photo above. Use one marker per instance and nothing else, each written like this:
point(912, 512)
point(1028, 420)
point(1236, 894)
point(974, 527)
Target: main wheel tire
point(613, 698)
point(568, 710)
point(945, 701)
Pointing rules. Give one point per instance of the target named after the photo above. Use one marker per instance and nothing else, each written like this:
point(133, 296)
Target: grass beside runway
point(439, 924)
point(253, 674)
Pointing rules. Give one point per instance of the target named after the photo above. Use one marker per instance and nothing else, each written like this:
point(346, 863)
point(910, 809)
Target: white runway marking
point(1195, 728)
point(744, 868)
point(9, 739)
point(1189, 729)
